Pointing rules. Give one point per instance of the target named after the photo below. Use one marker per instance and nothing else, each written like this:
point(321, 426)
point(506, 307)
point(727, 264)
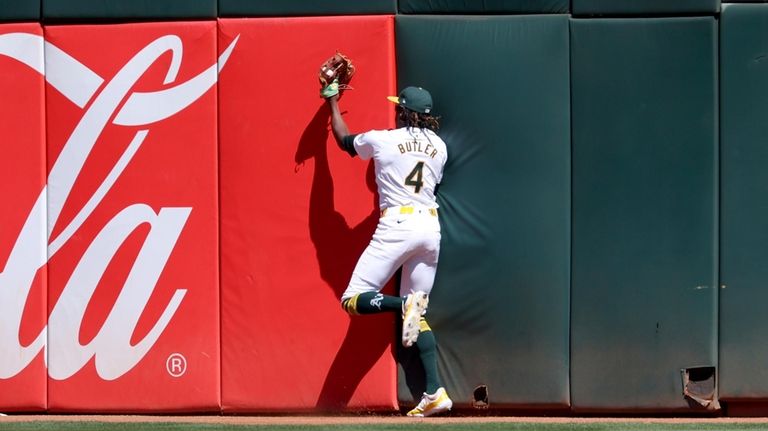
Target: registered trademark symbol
point(176, 365)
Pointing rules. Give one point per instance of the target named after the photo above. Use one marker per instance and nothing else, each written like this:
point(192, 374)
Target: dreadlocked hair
point(416, 119)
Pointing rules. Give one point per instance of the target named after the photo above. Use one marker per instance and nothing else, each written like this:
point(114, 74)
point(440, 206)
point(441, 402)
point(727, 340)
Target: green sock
point(428, 353)
point(372, 302)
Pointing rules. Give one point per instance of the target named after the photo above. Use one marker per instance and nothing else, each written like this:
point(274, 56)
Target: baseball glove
point(335, 74)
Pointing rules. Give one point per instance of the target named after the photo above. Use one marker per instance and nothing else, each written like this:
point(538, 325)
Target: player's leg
point(418, 277)
point(427, 345)
point(375, 267)
point(435, 399)
point(423, 274)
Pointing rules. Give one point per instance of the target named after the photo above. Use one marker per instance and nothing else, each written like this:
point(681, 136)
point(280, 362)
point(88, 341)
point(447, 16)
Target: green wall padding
point(305, 7)
point(484, 7)
point(500, 305)
point(128, 9)
point(644, 7)
point(644, 281)
point(19, 10)
point(744, 210)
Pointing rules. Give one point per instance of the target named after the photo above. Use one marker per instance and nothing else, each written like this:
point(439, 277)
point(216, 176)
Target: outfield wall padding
point(499, 308)
point(23, 291)
point(133, 218)
point(488, 7)
point(19, 10)
point(644, 7)
point(255, 8)
point(644, 281)
point(296, 212)
point(744, 214)
point(122, 10)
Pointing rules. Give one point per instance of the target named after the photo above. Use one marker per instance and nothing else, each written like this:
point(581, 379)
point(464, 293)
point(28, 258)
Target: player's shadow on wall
point(338, 246)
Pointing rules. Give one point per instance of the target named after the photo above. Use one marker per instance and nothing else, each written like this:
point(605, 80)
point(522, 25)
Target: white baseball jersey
point(409, 164)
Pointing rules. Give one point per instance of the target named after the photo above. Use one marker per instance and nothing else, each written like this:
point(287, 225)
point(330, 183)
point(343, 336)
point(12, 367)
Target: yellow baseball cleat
point(415, 306)
point(432, 404)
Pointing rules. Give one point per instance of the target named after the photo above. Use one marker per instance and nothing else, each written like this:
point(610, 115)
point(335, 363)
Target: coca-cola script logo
point(112, 349)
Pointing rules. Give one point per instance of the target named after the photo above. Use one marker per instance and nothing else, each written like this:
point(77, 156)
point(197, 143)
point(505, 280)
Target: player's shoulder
point(431, 133)
point(438, 142)
point(384, 131)
point(378, 134)
point(433, 136)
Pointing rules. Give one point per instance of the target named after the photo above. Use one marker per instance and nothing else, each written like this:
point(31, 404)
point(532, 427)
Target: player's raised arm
point(335, 74)
point(338, 125)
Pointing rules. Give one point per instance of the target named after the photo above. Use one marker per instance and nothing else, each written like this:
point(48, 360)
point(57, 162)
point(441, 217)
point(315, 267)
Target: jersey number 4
point(415, 177)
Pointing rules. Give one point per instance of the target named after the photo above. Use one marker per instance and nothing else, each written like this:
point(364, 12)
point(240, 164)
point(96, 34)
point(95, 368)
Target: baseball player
point(409, 165)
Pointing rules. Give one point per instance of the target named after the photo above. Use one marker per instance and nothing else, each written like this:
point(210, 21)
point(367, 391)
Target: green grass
point(162, 426)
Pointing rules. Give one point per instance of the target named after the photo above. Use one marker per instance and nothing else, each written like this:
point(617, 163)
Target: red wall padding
point(296, 212)
point(152, 237)
point(22, 180)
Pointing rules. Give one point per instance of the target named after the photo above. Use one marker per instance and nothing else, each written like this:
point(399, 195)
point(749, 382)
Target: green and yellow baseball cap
point(414, 98)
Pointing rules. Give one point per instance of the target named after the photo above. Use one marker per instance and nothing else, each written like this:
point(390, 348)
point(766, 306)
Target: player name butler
point(417, 146)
